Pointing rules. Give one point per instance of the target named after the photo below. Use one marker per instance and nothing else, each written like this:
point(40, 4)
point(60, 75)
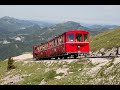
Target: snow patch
point(21, 38)
point(18, 39)
point(5, 42)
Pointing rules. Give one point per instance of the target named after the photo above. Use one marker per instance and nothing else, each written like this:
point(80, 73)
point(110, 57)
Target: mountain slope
point(18, 36)
point(12, 24)
point(106, 39)
point(23, 40)
point(60, 28)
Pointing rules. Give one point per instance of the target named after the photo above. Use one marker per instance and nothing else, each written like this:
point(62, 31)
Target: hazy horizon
point(89, 14)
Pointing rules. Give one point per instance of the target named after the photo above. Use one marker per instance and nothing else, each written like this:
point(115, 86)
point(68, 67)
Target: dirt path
point(23, 57)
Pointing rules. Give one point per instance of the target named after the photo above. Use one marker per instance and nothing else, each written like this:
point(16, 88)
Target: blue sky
point(92, 14)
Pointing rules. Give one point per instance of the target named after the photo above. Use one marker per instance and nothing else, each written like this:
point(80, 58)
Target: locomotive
point(72, 43)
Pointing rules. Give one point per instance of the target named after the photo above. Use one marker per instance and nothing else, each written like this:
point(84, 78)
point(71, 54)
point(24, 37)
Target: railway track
point(90, 58)
point(103, 56)
point(71, 58)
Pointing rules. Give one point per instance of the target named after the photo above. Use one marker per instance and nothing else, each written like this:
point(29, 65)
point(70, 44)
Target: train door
point(82, 40)
point(78, 40)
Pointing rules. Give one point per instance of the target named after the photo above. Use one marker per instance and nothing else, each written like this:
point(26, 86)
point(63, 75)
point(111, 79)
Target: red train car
point(72, 42)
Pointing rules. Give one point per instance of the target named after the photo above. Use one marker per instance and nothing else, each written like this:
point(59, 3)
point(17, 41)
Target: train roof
point(78, 30)
point(73, 30)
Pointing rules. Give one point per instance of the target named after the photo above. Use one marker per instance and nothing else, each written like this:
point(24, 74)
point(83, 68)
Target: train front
point(77, 43)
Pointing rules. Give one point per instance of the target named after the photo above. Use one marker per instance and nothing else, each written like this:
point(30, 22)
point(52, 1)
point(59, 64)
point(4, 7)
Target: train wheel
point(75, 56)
point(49, 58)
point(85, 55)
point(61, 57)
point(65, 57)
point(56, 57)
point(39, 59)
point(36, 59)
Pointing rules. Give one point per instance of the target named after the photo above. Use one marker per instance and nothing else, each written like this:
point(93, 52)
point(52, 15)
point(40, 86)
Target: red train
point(70, 43)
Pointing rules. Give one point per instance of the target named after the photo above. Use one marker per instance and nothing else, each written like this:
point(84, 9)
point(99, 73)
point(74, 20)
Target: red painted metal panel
point(73, 46)
point(66, 46)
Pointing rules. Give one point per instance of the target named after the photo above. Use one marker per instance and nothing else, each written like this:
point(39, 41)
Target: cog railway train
point(71, 43)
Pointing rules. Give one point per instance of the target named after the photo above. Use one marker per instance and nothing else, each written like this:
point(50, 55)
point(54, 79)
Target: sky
point(92, 14)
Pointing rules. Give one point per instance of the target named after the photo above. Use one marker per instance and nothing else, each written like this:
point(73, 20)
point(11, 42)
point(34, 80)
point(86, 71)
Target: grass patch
point(34, 72)
point(3, 68)
point(106, 40)
point(50, 75)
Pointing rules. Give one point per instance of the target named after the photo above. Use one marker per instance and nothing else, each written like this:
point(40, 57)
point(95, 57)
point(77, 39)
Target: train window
point(45, 46)
point(55, 43)
point(70, 37)
point(39, 48)
point(49, 45)
point(52, 44)
point(60, 40)
point(78, 37)
point(85, 37)
point(63, 39)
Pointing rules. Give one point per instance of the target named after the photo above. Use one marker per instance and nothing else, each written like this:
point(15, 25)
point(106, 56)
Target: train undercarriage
point(66, 55)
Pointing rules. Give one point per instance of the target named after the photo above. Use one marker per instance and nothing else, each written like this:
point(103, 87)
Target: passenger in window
point(78, 37)
point(86, 37)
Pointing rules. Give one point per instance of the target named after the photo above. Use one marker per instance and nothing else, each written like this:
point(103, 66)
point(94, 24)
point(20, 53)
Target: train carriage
point(70, 43)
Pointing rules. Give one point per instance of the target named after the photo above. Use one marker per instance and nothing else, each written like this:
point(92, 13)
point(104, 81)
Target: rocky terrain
point(86, 71)
point(115, 51)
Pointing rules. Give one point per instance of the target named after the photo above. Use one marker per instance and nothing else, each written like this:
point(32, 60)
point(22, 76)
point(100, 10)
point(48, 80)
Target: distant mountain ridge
point(11, 24)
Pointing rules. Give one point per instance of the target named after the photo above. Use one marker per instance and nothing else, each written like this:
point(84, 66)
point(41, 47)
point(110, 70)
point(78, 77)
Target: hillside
point(18, 36)
point(107, 39)
point(62, 72)
point(12, 24)
point(23, 40)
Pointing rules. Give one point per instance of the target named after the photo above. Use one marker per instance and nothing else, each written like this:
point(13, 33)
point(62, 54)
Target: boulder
point(95, 53)
point(58, 77)
point(107, 53)
point(114, 51)
point(102, 50)
point(118, 50)
point(90, 53)
point(99, 54)
point(43, 82)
